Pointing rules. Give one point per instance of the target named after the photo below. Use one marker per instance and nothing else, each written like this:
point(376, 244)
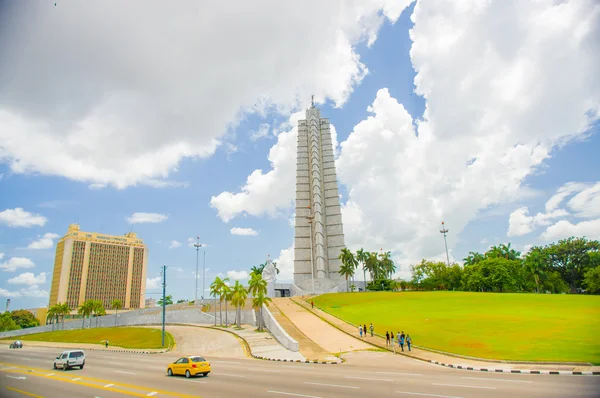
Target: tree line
point(567, 266)
point(379, 266)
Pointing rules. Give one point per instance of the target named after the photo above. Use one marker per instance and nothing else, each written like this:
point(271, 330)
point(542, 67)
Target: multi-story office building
point(94, 266)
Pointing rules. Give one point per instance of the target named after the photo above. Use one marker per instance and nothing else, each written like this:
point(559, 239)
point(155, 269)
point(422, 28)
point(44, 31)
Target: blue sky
point(520, 162)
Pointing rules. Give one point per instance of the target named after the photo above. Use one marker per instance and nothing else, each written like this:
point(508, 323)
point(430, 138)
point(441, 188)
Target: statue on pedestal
point(269, 274)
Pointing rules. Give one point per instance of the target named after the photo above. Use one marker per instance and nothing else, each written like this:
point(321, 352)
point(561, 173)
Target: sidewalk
point(448, 360)
point(264, 345)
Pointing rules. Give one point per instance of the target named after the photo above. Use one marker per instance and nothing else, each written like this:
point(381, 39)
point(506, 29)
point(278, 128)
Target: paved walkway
point(264, 344)
point(417, 353)
point(310, 331)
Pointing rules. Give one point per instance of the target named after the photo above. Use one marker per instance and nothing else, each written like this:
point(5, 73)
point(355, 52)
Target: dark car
point(16, 344)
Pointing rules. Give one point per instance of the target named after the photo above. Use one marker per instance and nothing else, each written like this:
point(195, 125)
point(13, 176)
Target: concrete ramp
point(314, 336)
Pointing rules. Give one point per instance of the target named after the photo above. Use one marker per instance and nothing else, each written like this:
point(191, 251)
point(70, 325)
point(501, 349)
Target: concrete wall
point(276, 330)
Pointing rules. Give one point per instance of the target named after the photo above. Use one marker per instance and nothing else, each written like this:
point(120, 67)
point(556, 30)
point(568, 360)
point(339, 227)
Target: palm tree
point(257, 303)
point(52, 314)
point(257, 285)
point(97, 309)
point(348, 265)
point(372, 264)
point(85, 309)
point(238, 298)
point(226, 292)
point(361, 257)
point(116, 305)
point(387, 264)
point(215, 289)
point(63, 309)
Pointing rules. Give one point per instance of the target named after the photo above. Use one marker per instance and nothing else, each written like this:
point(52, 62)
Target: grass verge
point(125, 337)
point(505, 326)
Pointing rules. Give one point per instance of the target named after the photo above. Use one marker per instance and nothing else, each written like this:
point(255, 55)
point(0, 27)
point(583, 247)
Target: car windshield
point(198, 359)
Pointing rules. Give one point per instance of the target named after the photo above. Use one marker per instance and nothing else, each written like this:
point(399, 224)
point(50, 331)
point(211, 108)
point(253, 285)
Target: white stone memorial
point(269, 274)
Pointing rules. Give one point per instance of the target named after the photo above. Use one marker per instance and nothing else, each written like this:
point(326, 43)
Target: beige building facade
point(94, 266)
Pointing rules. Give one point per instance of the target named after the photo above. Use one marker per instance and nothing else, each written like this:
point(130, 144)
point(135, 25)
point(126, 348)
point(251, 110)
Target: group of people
point(389, 336)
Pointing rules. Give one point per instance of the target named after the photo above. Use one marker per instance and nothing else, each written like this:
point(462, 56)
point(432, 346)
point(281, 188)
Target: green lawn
point(126, 337)
point(528, 327)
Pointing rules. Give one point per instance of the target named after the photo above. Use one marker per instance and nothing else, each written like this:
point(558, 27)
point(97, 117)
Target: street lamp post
point(164, 286)
point(444, 231)
point(203, 272)
point(197, 245)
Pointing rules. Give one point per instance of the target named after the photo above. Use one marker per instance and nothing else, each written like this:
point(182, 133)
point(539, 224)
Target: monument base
point(322, 285)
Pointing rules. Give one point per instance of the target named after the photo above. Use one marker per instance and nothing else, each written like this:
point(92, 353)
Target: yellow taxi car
point(190, 365)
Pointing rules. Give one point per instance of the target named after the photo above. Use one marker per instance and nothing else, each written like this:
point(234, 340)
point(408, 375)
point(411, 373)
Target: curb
point(517, 371)
point(491, 370)
point(298, 361)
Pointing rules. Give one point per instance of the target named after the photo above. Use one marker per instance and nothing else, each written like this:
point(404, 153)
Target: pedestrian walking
point(402, 341)
point(365, 329)
point(360, 330)
point(106, 343)
point(371, 328)
point(408, 341)
point(392, 338)
point(387, 338)
point(312, 304)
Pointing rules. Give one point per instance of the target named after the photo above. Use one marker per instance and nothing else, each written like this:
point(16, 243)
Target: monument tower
point(319, 235)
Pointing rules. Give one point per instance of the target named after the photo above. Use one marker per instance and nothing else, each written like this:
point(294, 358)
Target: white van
point(70, 359)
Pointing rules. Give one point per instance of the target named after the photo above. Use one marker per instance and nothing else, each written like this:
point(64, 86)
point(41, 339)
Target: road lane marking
point(367, 378)
point(291, 393)
point(109, 385)
point(399, 374)
point(329, 385)
point(17, 377)
point(492, 378)
point(461, 385)
point(263, 370)
point(76, 379)
point(227, 374)
point(50, 374)
point(239, 363)
point(125, 373)
point(427, 395)
point(24, 392)
point(151, 393)
point(10, 367)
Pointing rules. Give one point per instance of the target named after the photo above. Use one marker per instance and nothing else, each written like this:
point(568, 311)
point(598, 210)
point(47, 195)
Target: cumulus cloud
point(521, 223)
point(243, 231)
point(237, 275)
point(564, 229)
point(15, 263)
point(285, 264)
point(488, 94)
point(31, 291)
point(154, 283)
point(586, 203)
point(126, 112)
point(18, 217)
point(44, 242)
point(140, 218)
point(28, 278)
point(261, 132)
point(174, 244)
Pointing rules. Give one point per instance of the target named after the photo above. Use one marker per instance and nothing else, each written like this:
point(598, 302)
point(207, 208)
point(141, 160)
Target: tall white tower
point(319, 232)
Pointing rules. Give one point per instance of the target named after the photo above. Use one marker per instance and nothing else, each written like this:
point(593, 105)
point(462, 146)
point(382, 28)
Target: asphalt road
point(28, 372)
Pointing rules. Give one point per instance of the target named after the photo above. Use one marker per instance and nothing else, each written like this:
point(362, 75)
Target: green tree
point(361, 257)
point(116, 305)
point(63, 310)
point(349, 264)
point(571, 257)
point(215, 290)
point(257, 303)
point(591, 280)
point(168, 300)
point(24, 319)
point(238, 299)
point(227, 292)
point(85, 310)
point(7, 322)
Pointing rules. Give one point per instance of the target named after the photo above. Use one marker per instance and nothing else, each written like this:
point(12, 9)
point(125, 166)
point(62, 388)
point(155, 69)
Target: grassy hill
point(527, 327)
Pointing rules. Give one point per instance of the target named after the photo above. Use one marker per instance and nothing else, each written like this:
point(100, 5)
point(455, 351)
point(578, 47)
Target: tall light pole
point(203, 272)
point(444, 231)
point(164, 300)
point(197, 245)
point(312, 265)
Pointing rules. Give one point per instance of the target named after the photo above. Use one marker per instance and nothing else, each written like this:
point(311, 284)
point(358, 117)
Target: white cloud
point(28, 278)
point(15, 263)
point(485, 128)
point(263, 131)
point(521, 223)
point(562, 193)
point(174, 244)
point(1, 256)
point(285, 264)
point(139, 218)
point(8, 293)
point(586, 204)
point(30, 291)
point(243, 231)
point(154, 283)
point(136, 107)
point(44, 242)
point(565, 229)
point(237, 275)
point(18, 217)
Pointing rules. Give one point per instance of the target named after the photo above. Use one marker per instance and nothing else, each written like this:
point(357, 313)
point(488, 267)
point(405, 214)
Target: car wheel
point(54, 365)
point(205, 374)
point(169, 372)
point(65, 368)
point(81, 367)
point(188, 374)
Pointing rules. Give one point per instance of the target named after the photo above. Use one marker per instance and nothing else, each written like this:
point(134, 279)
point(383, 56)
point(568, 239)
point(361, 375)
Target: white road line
point(227, 374)
point(239, 363)
point(50, 374)
point(151, 393)
point(329, 385)
point(264, 370)
point(427, 395)
point(367, 378)
point(108, 385)
point(400, 374)
point(17, 377)
point(195, 381)
point(492, 378)
point(10, 367)
point(77, 378)
point(127, 373)
point(291, 393)
point(460, 385)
